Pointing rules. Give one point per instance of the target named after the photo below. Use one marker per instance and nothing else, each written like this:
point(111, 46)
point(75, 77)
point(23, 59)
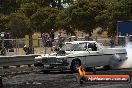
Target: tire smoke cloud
point(128, 62)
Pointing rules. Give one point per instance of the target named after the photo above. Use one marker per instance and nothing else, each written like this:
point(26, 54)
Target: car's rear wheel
point(75, 64)
point(115, 61)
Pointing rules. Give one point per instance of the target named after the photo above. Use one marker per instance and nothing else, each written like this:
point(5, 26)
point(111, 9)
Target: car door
point(95, 55)
point(80, 52)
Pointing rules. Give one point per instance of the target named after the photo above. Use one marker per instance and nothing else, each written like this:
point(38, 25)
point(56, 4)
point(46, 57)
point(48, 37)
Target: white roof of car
point(84, 41)
point(68, 42)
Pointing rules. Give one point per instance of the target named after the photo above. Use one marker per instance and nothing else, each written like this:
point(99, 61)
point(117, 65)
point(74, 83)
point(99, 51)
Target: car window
point(68, 47)
point(80, 47)
point(92, 47)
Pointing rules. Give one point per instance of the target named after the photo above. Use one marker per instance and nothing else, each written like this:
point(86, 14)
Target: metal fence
point(18, 44)
point(15, 46)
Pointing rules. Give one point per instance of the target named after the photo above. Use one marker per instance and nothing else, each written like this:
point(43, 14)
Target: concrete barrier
point(17, 60)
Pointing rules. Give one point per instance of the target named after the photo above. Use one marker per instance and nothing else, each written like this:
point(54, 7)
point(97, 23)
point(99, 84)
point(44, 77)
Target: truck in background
point(124, 32)
point(124, 27)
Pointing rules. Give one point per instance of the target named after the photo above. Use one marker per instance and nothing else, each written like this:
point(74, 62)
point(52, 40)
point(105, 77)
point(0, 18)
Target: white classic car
point(81, 53)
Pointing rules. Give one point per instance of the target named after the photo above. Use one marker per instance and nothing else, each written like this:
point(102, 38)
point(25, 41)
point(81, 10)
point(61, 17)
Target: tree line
point(21, 17)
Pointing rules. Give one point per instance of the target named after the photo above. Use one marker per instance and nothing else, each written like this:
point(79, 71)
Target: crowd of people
point(49, 40)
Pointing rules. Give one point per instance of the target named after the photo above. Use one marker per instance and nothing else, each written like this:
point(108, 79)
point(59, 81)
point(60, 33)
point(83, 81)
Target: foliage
point(83, 14)
point(3, 22)
point(18, 24)
point(9, 6)
point(44, 19)
point(29, 8)
point(113, 12)
point(64, 22)
point(42, 15)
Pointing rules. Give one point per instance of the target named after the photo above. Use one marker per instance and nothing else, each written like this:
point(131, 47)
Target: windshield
point(80, 47)
point(68, 47)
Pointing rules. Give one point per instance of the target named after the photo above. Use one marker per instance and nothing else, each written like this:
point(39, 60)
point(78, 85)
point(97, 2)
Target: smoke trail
point(128, 62)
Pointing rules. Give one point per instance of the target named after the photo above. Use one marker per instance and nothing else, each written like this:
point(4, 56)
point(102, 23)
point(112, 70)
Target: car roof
point(84, 41)
point(68, 42)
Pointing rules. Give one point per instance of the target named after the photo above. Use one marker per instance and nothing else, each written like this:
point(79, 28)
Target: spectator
point(52, 34)
point(75, 38)
point(86, 38)
point(122, 41)
point(127, 38)
point(69, 39)
point(58, 44)
point(112, 42)
point(49, 42)
point(45, 38)
point(60, 41)
point(27, 50)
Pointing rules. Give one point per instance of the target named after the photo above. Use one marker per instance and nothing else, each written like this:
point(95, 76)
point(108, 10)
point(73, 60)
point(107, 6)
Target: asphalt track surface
point(61, 80)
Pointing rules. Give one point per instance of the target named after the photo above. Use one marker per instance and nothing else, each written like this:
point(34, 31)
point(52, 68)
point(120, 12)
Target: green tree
point(4, 22)
point(19, 25)
point(114, 11)
point(9, 6)
point(44, 19)
point(29, 8)
point(64, 22)
point(83, 14)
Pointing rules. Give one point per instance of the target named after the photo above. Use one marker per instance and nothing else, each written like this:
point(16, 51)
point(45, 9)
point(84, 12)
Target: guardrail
point(17, 60)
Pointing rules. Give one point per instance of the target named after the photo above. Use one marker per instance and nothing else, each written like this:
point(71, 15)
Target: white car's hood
point(68, 54)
